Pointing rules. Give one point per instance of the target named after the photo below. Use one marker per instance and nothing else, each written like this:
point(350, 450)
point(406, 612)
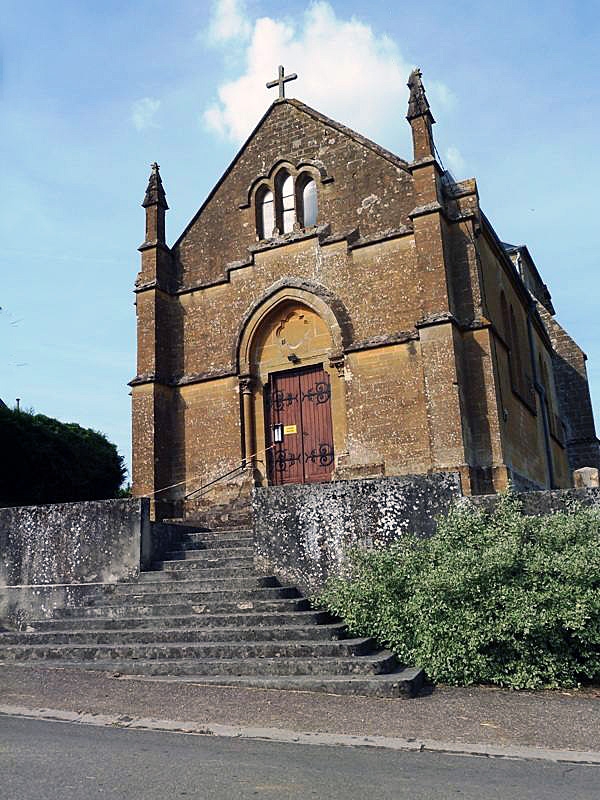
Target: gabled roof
point(532, 279)
point(518, 281)
point(358, 137)
point(311, 112)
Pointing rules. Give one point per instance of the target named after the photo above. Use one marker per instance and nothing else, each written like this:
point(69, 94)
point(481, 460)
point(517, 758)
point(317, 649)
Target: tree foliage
point(47, 461)
point(494, 597)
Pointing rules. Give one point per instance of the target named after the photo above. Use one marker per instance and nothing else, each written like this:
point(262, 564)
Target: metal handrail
point(202, 490)
point(242, 466)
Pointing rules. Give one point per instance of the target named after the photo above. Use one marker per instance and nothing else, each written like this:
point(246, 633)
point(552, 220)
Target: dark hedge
point(43, 460)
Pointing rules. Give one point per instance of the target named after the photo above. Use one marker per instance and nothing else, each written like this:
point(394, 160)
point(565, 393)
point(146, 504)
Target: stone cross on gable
point(281, 81)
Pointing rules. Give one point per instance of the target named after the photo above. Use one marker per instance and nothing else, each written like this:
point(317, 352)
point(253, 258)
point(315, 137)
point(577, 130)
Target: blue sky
point(92, 92)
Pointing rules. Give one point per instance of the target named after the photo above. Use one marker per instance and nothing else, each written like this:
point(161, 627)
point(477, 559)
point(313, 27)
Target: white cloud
point(440, 95)
point(229, 21)
point(344, 69)
point(455, 160)
point(143, 112)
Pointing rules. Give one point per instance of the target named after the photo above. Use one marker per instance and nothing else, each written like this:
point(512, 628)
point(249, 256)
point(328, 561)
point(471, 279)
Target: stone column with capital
point(246, 387)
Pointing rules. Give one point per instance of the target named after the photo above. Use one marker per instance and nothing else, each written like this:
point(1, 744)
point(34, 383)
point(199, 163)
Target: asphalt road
point(41, 760)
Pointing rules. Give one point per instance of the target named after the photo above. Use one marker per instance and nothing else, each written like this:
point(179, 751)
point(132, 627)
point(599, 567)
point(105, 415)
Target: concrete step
point(219, 539)
point(214, 560)
point(221, 519)
point(378, 663)
point(275, 633)
point(178, 593)
point(221, 569)
point(402, 682)
point(186, 620)
point(243, 579)
point(249, 611)
point(215, 555)
point(227, 545)
point(313, 649)
point(195, 584)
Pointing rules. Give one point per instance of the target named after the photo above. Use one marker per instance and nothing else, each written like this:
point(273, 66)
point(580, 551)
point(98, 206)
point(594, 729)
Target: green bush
point(47, 461)
point(495, 597)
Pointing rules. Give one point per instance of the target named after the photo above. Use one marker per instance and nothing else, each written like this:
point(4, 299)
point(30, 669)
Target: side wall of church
point(573, 397)
point(525, 444)
point(481, 428)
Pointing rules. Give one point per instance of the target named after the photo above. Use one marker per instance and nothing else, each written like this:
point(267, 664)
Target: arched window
point(286, 202)
point(309, 203)
point(291, 201)
point(505, 320)
point(516, 345)
point(546, 384)
point(507, 334)
point(547, 397)
point(266, 213)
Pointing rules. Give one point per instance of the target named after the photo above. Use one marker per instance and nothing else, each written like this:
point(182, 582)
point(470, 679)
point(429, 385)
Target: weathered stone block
point(586, 478)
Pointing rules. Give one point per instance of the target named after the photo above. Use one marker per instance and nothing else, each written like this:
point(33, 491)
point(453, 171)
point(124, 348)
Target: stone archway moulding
point(320, 300)
point(333, 313)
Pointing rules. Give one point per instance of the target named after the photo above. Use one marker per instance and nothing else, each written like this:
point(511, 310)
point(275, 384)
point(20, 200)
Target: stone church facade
point(335, 312)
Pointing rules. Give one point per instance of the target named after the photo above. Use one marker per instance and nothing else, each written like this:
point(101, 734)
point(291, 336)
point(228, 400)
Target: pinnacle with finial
point(418, 105)
point(155, 193)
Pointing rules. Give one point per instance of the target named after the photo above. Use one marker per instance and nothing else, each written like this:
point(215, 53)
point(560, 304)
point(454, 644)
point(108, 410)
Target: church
point(335, 312)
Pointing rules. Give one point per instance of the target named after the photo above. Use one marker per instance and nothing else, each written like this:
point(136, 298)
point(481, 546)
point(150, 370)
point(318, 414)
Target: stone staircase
point(203, 615)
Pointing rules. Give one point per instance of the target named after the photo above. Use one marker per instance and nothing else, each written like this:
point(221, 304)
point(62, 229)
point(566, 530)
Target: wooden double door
point(298, 425)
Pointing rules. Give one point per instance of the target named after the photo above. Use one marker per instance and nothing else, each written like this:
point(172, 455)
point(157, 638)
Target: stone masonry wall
point(386, 271)
point(55, 556)
point(574, 399)
point(367, 187)
point(302, 532)
point(544, 502)
point(71, 542)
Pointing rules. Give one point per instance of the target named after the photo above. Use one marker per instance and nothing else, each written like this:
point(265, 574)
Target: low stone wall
point(47, 551)
point(543, 502)
point(72, 542)
point(303, 531)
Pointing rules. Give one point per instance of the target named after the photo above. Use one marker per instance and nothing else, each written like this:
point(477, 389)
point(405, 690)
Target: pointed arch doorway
point(294, 400)
point(299, 426)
